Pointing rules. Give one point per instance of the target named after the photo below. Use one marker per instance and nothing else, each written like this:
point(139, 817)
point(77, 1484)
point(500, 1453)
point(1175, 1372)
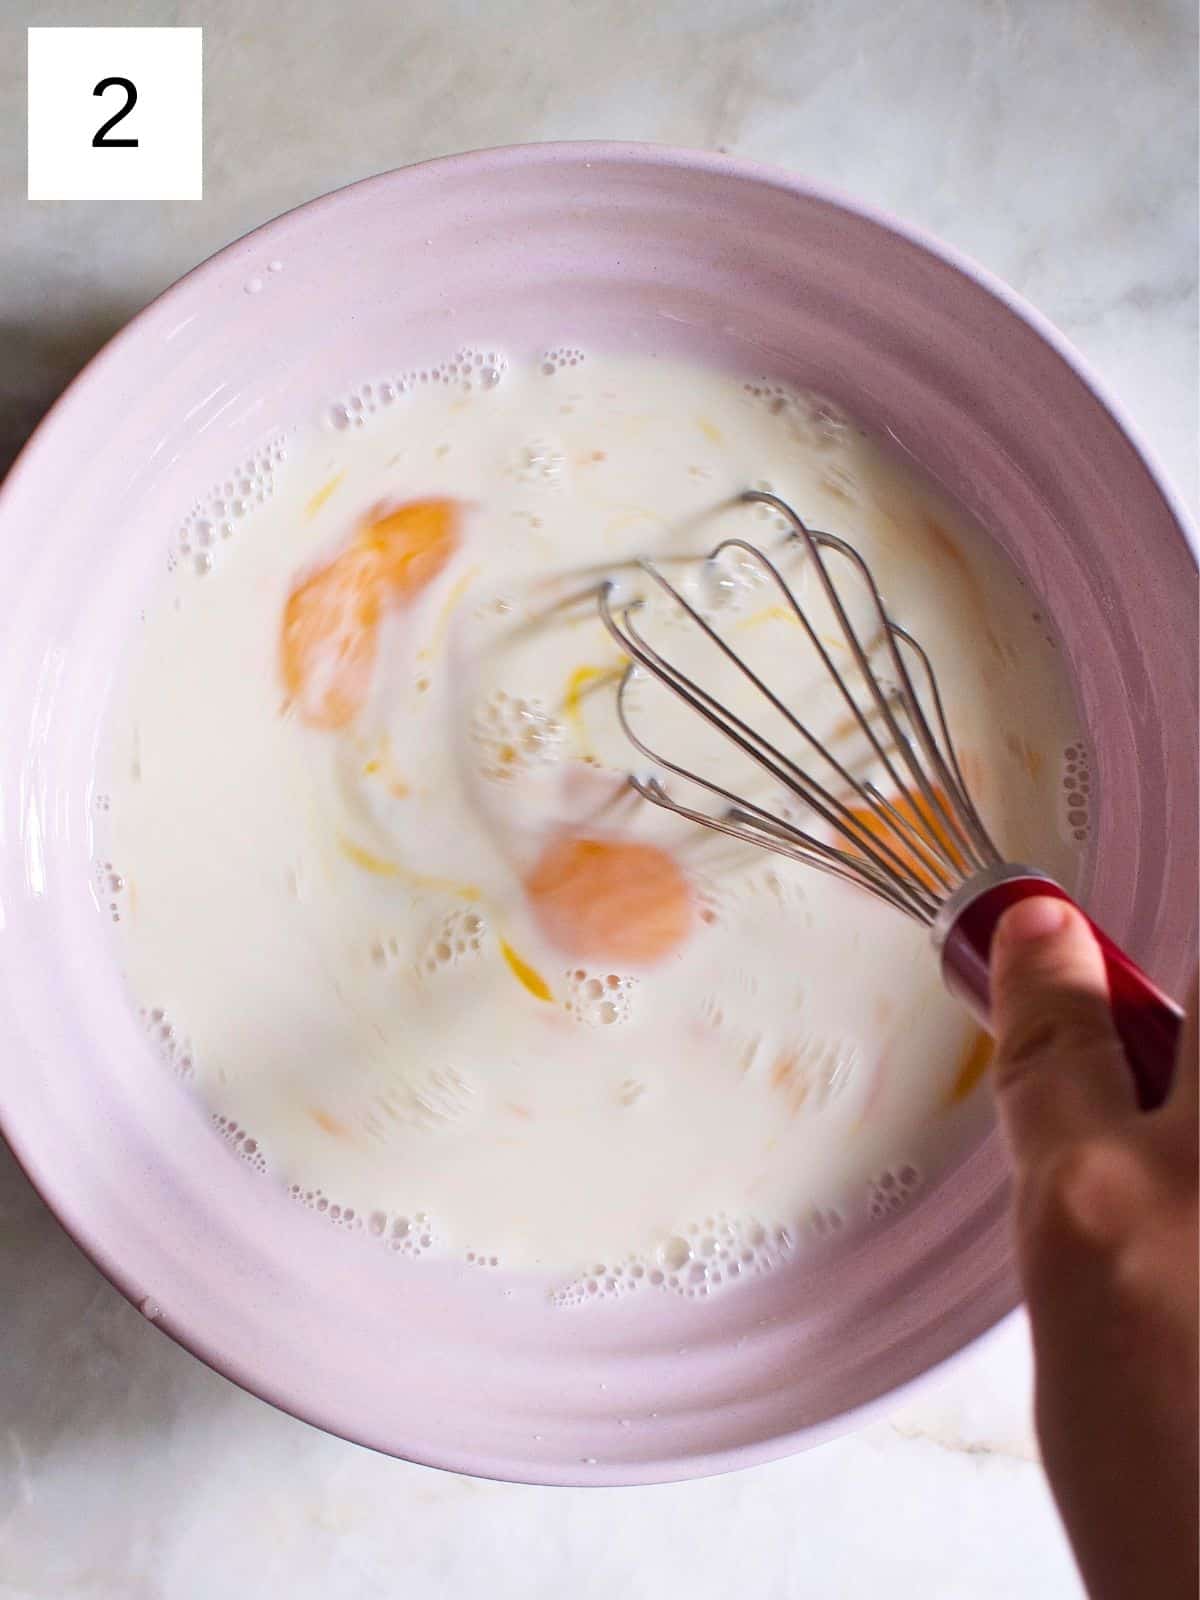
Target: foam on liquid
point(329, 931)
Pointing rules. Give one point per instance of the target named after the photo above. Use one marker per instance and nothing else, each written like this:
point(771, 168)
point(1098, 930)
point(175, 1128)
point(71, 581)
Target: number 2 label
point(101, 139)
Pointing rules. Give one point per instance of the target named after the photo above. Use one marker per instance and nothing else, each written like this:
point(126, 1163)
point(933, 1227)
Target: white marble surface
point(1055, 141)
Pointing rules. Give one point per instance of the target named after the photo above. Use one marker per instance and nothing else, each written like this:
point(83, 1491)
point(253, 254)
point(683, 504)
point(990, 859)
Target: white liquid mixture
point(384, 897)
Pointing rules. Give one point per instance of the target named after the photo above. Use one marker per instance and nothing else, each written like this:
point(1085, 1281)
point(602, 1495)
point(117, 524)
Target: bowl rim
point(650, 154)
point(499, 160)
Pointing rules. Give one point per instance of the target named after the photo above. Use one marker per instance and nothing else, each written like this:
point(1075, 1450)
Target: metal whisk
point(921, 846)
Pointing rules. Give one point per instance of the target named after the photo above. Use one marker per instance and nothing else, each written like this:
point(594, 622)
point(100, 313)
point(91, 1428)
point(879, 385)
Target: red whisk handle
point(1148, 1021)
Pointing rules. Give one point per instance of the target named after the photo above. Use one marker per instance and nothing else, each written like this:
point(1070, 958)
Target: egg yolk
point(329, 635)
point(610, 900)
point(328, 640)
point(926, 822)
point(412, 544)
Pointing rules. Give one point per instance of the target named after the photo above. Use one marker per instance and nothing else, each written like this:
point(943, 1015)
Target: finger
point(1060, 1072)
point(1183, 1107)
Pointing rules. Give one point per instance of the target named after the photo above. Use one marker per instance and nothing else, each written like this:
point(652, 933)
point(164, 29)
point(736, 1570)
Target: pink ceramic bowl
point(639, 249)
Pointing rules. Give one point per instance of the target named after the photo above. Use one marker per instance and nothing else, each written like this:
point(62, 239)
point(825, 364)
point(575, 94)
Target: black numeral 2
point(99, 139)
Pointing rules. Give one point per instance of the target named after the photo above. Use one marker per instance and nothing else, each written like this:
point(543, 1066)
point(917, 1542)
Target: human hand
point(1106, 1220)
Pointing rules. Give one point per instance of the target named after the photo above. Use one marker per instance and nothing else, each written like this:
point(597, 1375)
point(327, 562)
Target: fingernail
point(1036, 918)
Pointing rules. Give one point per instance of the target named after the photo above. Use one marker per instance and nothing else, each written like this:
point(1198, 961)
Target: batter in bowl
point(384, 896)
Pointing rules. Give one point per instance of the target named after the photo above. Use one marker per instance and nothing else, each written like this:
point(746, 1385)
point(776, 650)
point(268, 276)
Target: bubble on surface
point(675, 1254)
point(891, 1190)
point(216, 514)
point(475, 1258)
point(560, 359)
point(399, 1233)
point(109, 888)
point(457, 936)
point(701, 1259)
point(468, 369)
point(239, 1141)
point(1075, 793)
point(513, 735)
point(172, 1047)
point(599, 999)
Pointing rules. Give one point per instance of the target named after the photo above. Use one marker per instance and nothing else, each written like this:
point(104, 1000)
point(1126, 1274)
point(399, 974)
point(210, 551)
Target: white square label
point(115, 114)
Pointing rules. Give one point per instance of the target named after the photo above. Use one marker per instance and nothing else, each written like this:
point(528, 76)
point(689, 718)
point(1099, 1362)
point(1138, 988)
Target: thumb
point(1060, 1072)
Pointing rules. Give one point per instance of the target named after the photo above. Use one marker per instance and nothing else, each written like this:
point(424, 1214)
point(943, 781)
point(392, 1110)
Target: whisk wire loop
point(912, 850)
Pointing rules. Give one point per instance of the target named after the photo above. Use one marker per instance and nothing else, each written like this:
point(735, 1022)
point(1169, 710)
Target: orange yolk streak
point(976, 1059)
point(525, 975)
